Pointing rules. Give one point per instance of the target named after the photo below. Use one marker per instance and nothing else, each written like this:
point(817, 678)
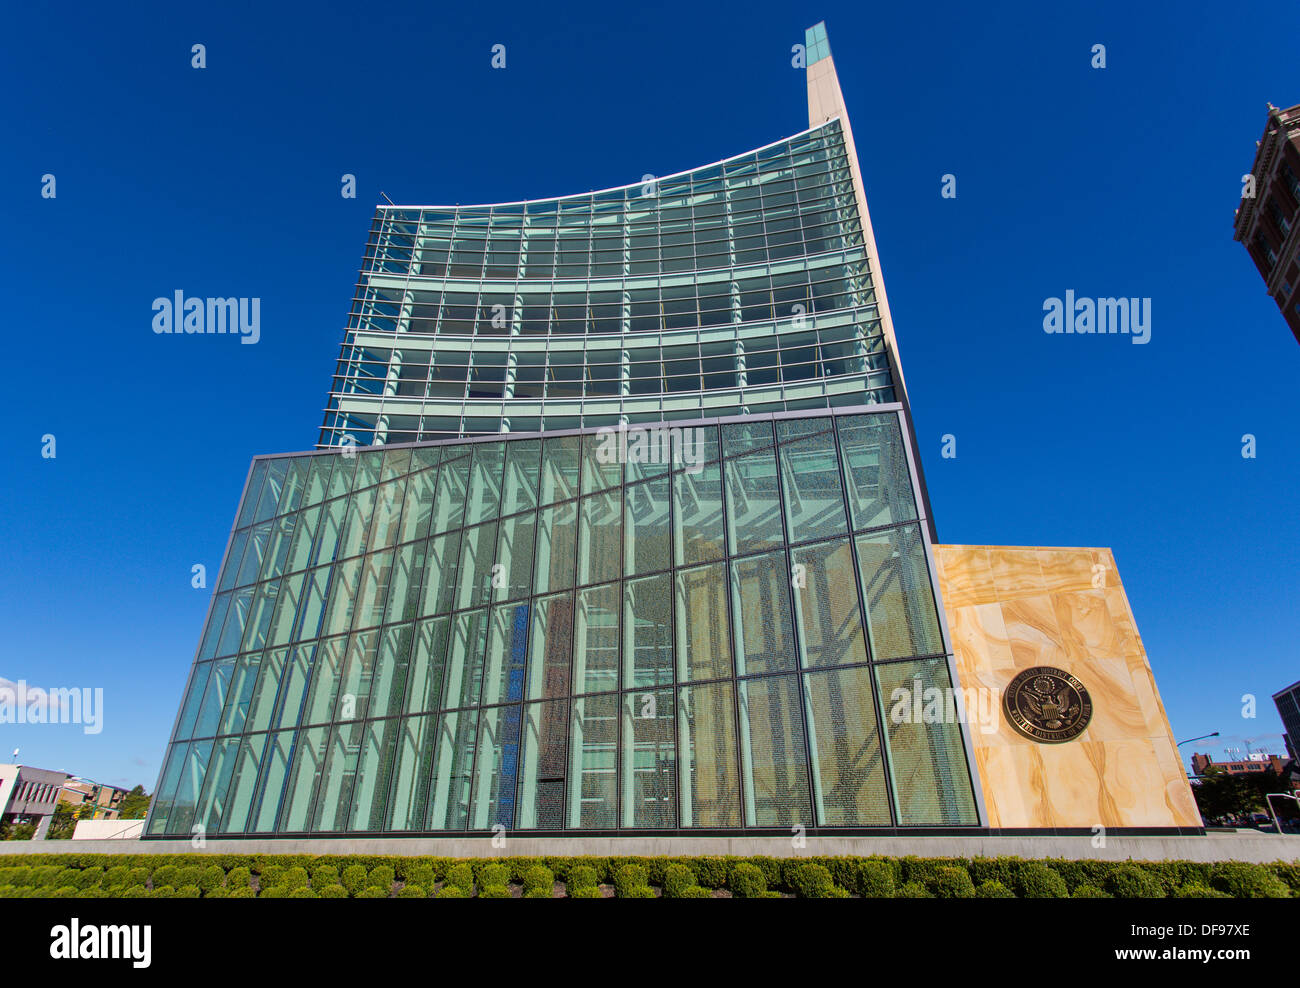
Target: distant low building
point(106, 800)
point(1253, 765)
point(30, 795)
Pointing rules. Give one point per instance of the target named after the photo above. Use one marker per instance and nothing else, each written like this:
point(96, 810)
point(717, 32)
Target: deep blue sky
point(225, 182)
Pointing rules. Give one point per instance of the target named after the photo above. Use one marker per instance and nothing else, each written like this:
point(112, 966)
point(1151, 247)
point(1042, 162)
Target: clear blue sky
point(225, 182)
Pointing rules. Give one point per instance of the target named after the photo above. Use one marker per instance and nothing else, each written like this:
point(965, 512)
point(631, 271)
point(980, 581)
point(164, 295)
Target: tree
point(135, 804)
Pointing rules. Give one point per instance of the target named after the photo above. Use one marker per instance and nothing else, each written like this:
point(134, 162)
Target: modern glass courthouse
point(615, 524)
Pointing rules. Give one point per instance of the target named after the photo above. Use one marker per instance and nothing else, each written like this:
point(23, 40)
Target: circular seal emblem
point(1047, 705)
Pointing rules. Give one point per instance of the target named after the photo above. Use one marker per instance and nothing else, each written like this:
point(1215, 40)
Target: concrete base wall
point(1212, 847)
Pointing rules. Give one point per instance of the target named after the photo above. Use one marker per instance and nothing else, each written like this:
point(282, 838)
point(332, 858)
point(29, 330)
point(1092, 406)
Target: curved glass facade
point(741, 287)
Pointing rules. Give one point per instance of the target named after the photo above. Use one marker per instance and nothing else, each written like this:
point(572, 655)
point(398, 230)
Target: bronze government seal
point(1047, 705)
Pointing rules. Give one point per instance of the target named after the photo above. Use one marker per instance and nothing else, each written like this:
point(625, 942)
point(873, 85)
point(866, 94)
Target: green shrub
point(461, 876)
point(187, 875)
point(494, 892)
point(678, 877)
point(1132, 882)
point(952, 882)
point(1089, 892)
point(354, 879)
point(748, 881)
point(1194, 890)
point(89, 878)
point(770, 867)
point(133, 892)
point(494, 874)
point(1289, 874)
point(539, 877)
point(210, 878)
point(1248, 881)
point(711, 871)
point(580, 877)
point(914, 890)
point(323, 875)
point(301, 892)
point(700, 892)
point(586, 892)
point(383, 876)
point(629, 877)
point(638, 892)
point(993, 889)
point(1037, 881)
point(162, 892)
point(163, 876)
point(189, 892)
point(269, 876)
point(238, 878)
point(335, 891)
point(872, 879)
point(813, 881)
point(420, 873)
point(539, 893)
point(451, 892)
point(373, 892)
point(1004, 871)
point(413, 891)
point(296, 878)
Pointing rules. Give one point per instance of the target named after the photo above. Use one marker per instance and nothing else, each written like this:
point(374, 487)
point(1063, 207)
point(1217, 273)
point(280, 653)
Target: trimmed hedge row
point(378, 877)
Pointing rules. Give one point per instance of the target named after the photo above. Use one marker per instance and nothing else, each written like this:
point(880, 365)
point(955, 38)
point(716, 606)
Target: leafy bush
point(1131, 882)
point(269, 876)
point(413, 891)
point(354, 879)
point(210, 878)
point(451, 892)
point(420, 873)
point(700, 892)
point(952, 882)
point(580, 877)
point(1248, 881)
point(993, 889)
point(711, 871)
point(163, 876)
point(586, 892)
point(323, 875)
point(461, 876)
point(1089, 892)
point(238, 878)
point(495, 874)
point(88, 878)
point(678, 877)
point(629, 877)
point(1195, 891)
point(373, 892)
point(638, 892)
point(243, 892)
point(914, 890)
point(296, 878)
point(301, 892)
point(873, 879)
point(334, 891)
point(813, 881)
point(383, 876)
point(748, 881)
point(1037, 881)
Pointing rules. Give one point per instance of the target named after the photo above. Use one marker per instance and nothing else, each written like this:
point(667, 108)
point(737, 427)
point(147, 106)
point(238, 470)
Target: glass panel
point(601, 466)
point(465, 659)
point(542, 765)
point(304, 779)
point(214, 698)
point(593, 796)
point(163, 795)
point(418, 509)
point(325, 681)
point(896, 583)
point(404, 587)
point(274, 773)
point(600, 539)
point(848, 776)
point(503, 675)
point(875, 463)
point(927, 760)
point(243, 785)
point(454, 763)
point(343, 596)
point(814, 497)
point(826, 605)
point(388, 514)
point(485, 482)
point(774, 755)
point(373, 771)
point(262, 703)
point(649, 760)
point(646, 547)
point(595, 639)
point(560, 458)
point(512, 573)
point(548, 650)
point(697, 500)
point(453, 484)
point(440, 572)
point(557, 533)
point(428, 660)
point(241, 693)
point(497, 767)
point(703, 638)
point(710, 779)
point(523, 461)
point(753, 505)
point(412, 773)
point(388, 687)
point(477, 557)
point(297, 678)
point(647, 632)
point(334, 797)
point(764, 633)
point(372, 594)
